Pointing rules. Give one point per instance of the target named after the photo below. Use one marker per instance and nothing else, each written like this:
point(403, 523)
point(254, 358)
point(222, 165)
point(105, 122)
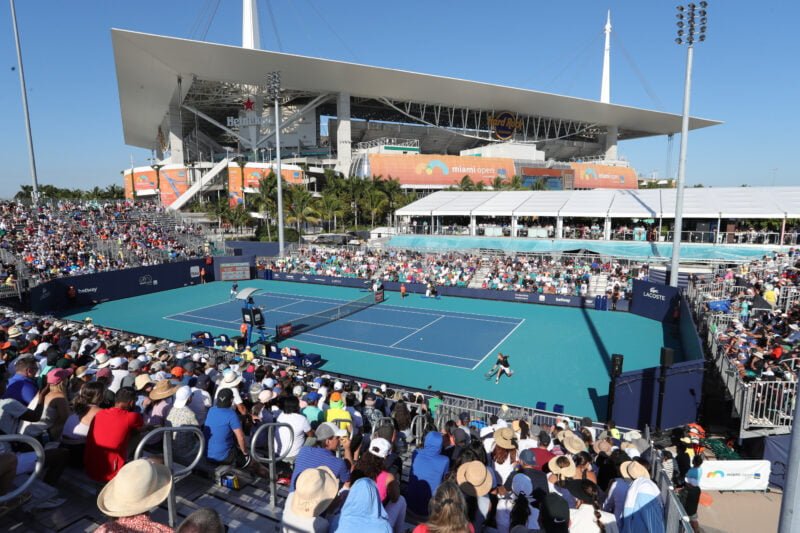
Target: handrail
point(167, 446)
point(270, 458)
point(383, 421)
point(38, 449)
point(418, 427)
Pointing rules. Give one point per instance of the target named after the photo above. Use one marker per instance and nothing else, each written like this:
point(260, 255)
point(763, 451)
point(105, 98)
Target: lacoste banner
point(735, 475)
point(655, 301)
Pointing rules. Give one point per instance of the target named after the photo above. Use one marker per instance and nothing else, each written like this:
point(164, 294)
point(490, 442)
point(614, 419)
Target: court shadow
point(600, 403)
point(598, 341)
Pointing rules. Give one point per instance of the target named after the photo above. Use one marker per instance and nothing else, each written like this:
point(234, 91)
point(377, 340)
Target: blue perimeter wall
point(254, 248)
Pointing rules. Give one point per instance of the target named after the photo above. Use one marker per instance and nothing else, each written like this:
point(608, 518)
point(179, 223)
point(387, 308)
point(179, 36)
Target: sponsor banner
point(234, 271)
point(419, 288)
point(591, 176)
point(379, 296)
point(194, 272)
point(83, 291)
point(172, 182)
point(440, 169)
point(655, 301)
point(283, 330)
point(735, 475)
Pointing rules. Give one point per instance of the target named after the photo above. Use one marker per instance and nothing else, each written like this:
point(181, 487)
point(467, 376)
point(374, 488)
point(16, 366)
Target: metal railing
point(768, 404)
point(37, 470)
point(270, 457)
point(167, 434)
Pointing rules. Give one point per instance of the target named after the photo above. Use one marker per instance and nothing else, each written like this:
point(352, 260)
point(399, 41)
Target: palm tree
point(374, 201)
point(538, 185)
point(497, 183)
point(265, 200)
point(330, 206)
point(96, 193)
point(354, 187)
point(114, 192)
point(394, 194)
point(479, 186)
point(299, 206)
point(239, 216)
point(466, 184)
point(25, 193)
point(219, 210)
point(516, 183)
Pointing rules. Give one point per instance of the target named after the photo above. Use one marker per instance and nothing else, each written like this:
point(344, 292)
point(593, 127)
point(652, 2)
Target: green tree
point(395, 195)
point(239, 217)
point(300, 207)
point(219, 210)
point(330, 206)
point(466, 184)
point(479, 186)
point(354, 188)
point(497, 184)
point(24, 193)
point(538, 185)
point(265, 201)
point(515, 184)
point(374, 201)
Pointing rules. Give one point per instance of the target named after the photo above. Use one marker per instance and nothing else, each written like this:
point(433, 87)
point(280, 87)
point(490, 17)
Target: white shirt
point(117, 376)
point(582, 520)
point(300, 427)
point(200, 403)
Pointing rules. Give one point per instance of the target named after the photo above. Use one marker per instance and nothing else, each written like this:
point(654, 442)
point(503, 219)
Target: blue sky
point(745, 73)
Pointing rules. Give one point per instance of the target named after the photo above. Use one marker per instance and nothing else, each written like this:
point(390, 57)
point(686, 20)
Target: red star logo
point(248, 104)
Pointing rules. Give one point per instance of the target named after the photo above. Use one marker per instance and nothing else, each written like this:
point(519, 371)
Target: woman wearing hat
point(504, 454)
point(156, 413)
point(128, 498)
point(184, 445)
point(476, 481)
point(372, 464)
point(315, 490)
point(56, 407)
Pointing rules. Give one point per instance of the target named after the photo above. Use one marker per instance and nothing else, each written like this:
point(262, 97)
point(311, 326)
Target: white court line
point(283, 306)
point(382, 324)
point(384, 346)
point(385, 355)
point(195, 323)
point(416, 331)
point(497, 345)
point(212, 319)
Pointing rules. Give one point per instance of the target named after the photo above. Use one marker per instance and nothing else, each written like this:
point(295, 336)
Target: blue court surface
point(443, 337)
point(559, 355)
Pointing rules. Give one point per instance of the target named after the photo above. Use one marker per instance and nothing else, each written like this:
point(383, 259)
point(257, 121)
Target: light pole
point(157, 167)
point(274, 87)
point(35, 195)
point(691, 29)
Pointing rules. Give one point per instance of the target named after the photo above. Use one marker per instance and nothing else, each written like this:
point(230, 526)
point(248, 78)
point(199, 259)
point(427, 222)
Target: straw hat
point(474, 479)
point(602, 446)
point(163, 389)
point(138, 487)
point(563, 471)
point(633, 470)
point(142, 381)
point(315, 489)
point(505, 438)
point(572, 443)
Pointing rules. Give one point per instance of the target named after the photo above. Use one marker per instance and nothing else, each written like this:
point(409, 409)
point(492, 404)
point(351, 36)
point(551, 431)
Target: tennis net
point(309, 322)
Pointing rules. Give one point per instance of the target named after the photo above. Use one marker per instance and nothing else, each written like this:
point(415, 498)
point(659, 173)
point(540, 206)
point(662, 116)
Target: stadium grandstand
point(490, 361)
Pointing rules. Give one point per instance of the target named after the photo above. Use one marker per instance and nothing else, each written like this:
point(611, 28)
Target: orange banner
point(172, 183)
point(591, 176)
point(440, 169)
point(252, 177)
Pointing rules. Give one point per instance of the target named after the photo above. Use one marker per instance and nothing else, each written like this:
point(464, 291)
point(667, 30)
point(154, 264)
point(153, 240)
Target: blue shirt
point(218, 429)
point(312, 457)
point(21, 388)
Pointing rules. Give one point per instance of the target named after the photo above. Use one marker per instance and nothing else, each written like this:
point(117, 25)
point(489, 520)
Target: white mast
point(251, 37)
point(605, 86)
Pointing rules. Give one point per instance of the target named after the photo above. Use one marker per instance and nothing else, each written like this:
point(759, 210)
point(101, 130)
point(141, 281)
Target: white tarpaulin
point(735, 475)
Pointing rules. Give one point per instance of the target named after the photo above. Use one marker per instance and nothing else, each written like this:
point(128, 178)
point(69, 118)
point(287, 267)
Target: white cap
point(117, 362)
point(268, 382)
point(297, 390)
point(182, 397)
point(337, 386)
point(380, 447)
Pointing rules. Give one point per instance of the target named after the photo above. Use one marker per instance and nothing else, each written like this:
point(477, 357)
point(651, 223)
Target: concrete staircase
point(598, 285)
point(476, 282)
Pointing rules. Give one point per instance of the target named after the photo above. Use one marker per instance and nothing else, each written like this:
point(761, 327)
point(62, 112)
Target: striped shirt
point(312, 457)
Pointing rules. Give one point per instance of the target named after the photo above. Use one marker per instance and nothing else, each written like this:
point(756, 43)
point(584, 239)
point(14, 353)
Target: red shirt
point(107, 442)
point(542, 457)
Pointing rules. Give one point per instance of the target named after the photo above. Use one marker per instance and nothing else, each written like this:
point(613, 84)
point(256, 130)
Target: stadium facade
point(204, 111)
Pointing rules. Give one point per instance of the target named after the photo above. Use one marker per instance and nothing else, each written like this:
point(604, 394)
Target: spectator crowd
point(352, 458)
point(74, 238)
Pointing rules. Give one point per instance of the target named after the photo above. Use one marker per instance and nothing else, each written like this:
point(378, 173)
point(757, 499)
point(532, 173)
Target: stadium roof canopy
point(148, 67)
point(707, 202)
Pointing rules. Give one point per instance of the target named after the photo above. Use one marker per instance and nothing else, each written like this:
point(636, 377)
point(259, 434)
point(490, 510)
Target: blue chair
point(541, 406)
point(558, 408)
point(223, 340)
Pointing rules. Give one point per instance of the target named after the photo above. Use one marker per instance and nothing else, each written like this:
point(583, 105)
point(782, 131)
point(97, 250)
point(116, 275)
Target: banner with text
point(655, 301)
point(735, 475)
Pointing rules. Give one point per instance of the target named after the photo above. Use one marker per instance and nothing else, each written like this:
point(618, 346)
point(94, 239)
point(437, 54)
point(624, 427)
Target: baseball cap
point(104, 372)
point(313, 397)
point(380, 447)
point(57, 375)
point(337, 386)
point(554, 513)
point(326, 431)
point(527, 457)
point(182, 397)
point(544, 438)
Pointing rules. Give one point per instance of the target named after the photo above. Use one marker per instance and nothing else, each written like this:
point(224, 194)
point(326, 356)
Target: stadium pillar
point(175, 134)
point(612, 135)
point(472, 225)
point(607, 229)
point(343, 132)
point(559, 227)
point(513, 226)
point(789, 517)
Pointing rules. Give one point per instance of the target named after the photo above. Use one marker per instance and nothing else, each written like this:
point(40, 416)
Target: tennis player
point(501, 366)
point(234, 290)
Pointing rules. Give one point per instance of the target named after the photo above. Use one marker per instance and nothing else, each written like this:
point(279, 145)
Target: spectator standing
point(138, 487)
point(428, 467)
point(110, 431)
point(644, 510)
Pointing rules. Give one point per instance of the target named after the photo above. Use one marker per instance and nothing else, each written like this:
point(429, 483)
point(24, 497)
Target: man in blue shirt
point(22, 385)
point(329, 436)
point(225, 443)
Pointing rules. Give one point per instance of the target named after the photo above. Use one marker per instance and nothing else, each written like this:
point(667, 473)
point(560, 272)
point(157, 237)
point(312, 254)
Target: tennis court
point(444, 337)
point(558, 354)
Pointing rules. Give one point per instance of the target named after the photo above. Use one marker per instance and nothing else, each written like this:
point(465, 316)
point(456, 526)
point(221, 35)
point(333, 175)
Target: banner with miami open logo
point(592, 176)
point(443, 170)
point(735, 475)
